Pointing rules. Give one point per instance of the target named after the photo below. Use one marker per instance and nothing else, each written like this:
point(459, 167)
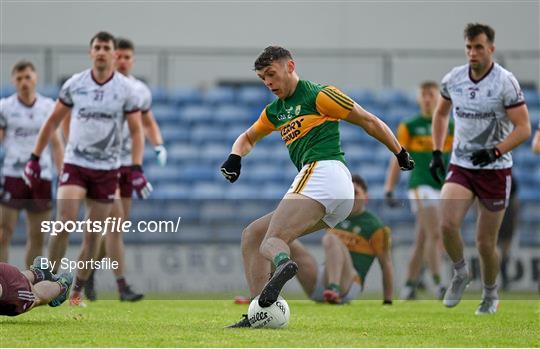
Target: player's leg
point(97, 211)
point(69, 199)
point(415, 264)
point(308, 269)
point(430, 224)
point(339, 269)
point(455, 202)
point(488, 224)
point(35, 237)
point(256, 266)
point(295, 216)
point(114, 243)
point(8, 222)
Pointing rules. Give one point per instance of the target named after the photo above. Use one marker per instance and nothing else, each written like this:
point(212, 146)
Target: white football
point(275, 316)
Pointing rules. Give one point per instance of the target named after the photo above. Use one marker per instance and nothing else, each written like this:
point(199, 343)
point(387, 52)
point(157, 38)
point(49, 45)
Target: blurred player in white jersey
point(491, 119)
point(98, 99)
point(21, 117)
point(113, 245)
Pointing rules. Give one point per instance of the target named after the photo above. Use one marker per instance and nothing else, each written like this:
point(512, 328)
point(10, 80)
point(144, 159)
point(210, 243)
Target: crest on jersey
point(297, 110)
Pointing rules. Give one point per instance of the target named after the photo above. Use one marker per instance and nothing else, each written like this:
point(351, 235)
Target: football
point(275, 316)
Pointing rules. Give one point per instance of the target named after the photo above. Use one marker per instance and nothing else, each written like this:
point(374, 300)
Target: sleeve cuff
point(445, 97)
point(515, 105)
point(69, 105)
point(132, 111)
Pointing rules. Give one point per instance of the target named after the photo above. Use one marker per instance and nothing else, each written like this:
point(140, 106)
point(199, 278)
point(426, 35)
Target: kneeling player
point(21, 291)
point(349, 249)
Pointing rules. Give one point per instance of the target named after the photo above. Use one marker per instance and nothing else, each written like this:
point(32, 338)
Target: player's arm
point(57, 149)
point(536, 142)
point(32, 170)
point(137, 136)
point(519, 116)
point(153, 133)
point(65, 127)
point(439, 131)
point(385, 261)
point(393, 173)
point(243, 146)
point(334, 103)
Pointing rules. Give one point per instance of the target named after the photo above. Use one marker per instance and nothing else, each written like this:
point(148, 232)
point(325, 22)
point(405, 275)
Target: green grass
point(198, 323)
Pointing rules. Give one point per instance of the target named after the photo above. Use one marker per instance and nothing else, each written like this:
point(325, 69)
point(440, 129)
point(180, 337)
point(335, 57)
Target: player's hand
point(405, 161)
point(161, 154)
point(32, 171)
point(485, 157)
point(142, 187)
point(390, 200)
point(231, 167)
point(436, 166)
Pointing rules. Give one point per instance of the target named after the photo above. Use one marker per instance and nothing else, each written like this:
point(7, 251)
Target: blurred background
point(198, 58)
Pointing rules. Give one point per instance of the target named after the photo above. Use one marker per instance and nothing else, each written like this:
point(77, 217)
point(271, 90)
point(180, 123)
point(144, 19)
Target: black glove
point(485, 157)
point(387, 302)
point(436, 166)
point(406, 163)
point(231, 168)
point(390, 200)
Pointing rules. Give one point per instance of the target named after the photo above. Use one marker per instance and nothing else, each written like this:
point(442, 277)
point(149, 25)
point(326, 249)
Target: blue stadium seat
point(253, 96)
point(177, 134)
point(217, 152)
point(361, 96)
point(196, 113)
point(50, 91)
point(185, 95)
point(6, 90)
point(532, 97)
point(159, 95)
point(392, 96)
point(208, 191)
point(219, 95)
point(232, 113)
point(183, 152)
point(175, 190)
point(198, 173)
point(201, 134)
point(155, 172)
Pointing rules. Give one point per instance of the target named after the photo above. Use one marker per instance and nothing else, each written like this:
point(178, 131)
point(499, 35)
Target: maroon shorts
point(17, 296)
point(19, 196)
point(492, 187)
point(100, 185)
point(124, 182)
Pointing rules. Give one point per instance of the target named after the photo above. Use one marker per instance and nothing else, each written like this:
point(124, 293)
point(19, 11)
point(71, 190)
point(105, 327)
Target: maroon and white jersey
point(479, 108)
point(21, 124)
point(145, 99)
point(97, 115)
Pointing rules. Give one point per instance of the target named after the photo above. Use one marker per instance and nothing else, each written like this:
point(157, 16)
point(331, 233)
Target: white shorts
point(328, 182)
point(424, 196)
point(317, 295)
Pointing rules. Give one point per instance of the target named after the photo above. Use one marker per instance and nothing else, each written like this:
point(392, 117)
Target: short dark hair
point(103, 36)
point(22, 65)
point(472, 30)
point(429, 84)
point(356, 179)
point(270, 55)
point(124, 44)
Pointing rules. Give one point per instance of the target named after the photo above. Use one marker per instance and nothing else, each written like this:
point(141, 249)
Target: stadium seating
point(199, 128)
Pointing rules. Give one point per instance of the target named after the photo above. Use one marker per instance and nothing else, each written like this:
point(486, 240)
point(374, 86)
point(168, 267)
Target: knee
point(485, 247)
point(329, 241)
point(251, 237)
point(449, 227)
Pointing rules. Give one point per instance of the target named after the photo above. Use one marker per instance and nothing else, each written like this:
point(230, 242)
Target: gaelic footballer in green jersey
point(307, 115)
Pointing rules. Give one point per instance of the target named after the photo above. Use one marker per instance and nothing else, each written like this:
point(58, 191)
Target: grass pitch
point(199, 323)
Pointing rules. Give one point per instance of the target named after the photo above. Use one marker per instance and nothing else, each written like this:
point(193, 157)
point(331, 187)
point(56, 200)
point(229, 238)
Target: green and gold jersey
point(365, 236)
point(308, 122)
point(415, 136)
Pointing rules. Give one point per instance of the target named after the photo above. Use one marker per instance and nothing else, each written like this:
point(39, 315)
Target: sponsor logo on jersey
point(475, 115)
point(96, 115)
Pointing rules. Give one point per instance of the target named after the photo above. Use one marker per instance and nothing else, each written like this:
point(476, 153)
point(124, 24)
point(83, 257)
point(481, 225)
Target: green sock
point(280, 258)
point(436, 279)
point(334, 287)
point(411, 283)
